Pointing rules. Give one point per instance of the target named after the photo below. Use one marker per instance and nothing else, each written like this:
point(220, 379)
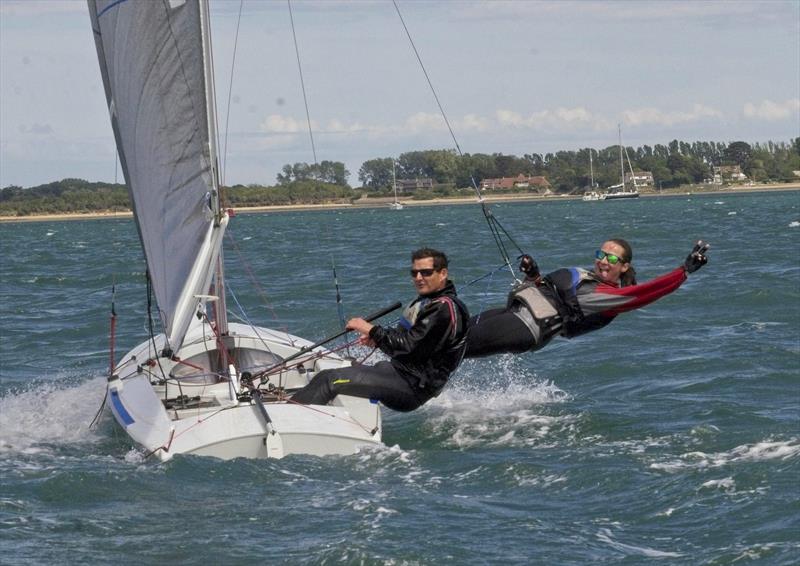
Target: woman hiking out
point(572, 301)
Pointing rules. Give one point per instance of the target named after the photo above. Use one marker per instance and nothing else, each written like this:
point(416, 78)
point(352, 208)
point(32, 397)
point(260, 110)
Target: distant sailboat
point(396, 205)
point(204, 386)
point(620, 191)
point(592, 194)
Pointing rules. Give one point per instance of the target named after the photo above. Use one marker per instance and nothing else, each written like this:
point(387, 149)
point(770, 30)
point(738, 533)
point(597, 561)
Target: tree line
point(65, 196)
point(675, 164)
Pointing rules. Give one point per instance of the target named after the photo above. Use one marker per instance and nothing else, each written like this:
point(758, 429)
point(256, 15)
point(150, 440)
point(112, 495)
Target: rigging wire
point(313, 148)
point(495, 227)
point(302, 82)
point(156, 355)
point(339, 305)
point(111, 341)
point(253, 279)
point(230, 93)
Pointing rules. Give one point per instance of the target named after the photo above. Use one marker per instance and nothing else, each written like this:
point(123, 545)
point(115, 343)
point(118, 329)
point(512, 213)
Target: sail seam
point(107, 8)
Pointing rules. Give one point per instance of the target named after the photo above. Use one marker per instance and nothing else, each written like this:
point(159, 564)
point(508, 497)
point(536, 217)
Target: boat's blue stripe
point(120, 408)
point(107, 8)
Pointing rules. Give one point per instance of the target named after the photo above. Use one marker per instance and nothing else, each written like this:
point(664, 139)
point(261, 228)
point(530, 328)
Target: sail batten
point(153, 61)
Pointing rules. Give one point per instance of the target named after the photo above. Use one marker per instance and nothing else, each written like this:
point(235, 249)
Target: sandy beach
point(383, 202)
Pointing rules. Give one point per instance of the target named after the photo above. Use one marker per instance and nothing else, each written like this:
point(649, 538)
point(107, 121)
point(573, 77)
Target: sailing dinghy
point(203, 386)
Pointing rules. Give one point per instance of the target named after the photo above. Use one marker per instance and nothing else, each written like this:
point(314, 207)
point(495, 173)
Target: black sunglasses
point(423, 272)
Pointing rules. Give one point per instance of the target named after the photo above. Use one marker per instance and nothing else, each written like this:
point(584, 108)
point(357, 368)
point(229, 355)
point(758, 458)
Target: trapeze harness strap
point(451, 309)
point(457, 348)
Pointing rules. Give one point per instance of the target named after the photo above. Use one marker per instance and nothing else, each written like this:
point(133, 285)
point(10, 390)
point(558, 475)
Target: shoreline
point(384, 202)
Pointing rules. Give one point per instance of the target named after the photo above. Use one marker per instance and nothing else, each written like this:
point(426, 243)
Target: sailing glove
point(528, 266)
point(697, 258)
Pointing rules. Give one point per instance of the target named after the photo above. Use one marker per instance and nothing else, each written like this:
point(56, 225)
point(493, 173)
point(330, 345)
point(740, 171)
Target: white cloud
point(559, 118)
point(423, 122)
point(337, 126)
point(474, 123)
point(647, 116)
point(277, 124)
point(772, 111)
point(285, 131)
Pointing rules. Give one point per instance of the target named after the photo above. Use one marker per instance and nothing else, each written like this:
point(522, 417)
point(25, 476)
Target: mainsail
point(155, 62)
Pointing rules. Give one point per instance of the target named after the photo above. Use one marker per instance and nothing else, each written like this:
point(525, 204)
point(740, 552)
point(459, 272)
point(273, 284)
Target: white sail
point(186, 391)
point(154, 63)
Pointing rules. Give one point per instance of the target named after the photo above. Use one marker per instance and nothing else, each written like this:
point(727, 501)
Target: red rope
point(112, 340)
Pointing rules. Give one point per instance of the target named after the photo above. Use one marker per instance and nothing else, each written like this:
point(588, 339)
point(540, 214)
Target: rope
point(339, 304)
point(112, 338)
point(156, 356)
point(230, 93)
point(253, 279)
point(495, 227)
point(302, 82)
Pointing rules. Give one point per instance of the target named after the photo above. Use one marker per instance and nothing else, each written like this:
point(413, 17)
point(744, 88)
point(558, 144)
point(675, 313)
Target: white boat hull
point(593, 196)
point(196, 411)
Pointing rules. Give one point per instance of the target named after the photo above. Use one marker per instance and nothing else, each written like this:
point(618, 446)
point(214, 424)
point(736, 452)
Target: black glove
point(697, 258)
point(528, 266)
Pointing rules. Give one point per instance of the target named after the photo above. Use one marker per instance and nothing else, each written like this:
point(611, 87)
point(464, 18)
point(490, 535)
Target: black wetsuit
point(582, 301)
point(424, 349)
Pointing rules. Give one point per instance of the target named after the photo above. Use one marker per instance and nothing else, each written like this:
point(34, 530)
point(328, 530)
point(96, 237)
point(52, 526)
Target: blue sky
point(514, 77)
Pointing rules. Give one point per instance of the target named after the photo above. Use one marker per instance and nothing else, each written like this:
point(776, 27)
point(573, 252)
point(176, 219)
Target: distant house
point(412, 185)
point(728, 174)
point(518, 182)
point(641, 178)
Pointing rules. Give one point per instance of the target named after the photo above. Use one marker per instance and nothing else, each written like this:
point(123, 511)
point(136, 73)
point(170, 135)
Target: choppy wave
point(759, 452)
point(498, 403)
point(49, 414)
point(606, 536)
point(661, 438)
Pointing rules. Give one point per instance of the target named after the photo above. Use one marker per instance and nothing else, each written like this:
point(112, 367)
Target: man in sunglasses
point(571, 302)
point(424, 349)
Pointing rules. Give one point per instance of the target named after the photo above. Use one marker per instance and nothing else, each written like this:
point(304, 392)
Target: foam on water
point(760, 452)
point(506, 407)
point(726, 484)
point(47, 414)
point(606, 536)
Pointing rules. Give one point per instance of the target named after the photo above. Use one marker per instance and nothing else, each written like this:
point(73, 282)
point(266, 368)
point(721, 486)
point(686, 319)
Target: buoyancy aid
point(536, 310)
point(552, 307)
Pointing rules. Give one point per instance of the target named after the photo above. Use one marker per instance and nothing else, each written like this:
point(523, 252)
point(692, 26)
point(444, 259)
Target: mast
point(591, 169)
point(621, 162)
point(219, 306)
point(633, 175)
point(211, 106)
point(394, 181)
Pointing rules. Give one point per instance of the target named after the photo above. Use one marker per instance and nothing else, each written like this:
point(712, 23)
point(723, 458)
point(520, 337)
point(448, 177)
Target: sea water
point(672, 436)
